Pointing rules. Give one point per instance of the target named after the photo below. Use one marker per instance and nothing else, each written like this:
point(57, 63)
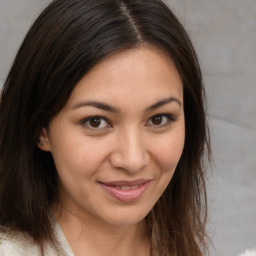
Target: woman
point(102, 135)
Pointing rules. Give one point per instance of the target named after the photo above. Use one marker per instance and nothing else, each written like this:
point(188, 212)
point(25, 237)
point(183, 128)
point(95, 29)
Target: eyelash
point(86, 121)
point(169, 118)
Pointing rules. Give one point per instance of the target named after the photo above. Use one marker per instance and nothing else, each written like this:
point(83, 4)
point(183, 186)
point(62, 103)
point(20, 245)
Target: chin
point(127, 217)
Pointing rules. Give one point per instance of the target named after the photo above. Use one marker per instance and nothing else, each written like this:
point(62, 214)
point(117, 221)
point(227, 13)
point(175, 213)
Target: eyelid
point(87, 119)
point(170, 118)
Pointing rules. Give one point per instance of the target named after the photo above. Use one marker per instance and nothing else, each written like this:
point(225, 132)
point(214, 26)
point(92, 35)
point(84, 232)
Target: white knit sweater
point(18, 244)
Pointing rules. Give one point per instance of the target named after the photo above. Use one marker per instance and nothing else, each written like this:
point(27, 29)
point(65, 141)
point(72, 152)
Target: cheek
point(81, 161)
point(168, 151)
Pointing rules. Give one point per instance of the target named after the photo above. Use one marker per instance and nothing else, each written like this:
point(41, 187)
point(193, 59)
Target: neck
point(87, 236)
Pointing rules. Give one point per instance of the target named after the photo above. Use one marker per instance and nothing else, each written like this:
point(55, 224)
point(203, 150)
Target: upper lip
point(126, 183)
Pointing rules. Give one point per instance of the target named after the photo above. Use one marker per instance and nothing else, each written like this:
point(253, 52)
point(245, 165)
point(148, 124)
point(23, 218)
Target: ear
point(43, 140)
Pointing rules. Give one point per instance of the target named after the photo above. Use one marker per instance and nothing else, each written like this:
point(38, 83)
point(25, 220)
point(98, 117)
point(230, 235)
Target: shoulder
point(13, 243)
point(17, 244)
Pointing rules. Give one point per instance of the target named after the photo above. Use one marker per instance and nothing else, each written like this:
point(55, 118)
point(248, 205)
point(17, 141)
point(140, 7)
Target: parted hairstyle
point(66, 41)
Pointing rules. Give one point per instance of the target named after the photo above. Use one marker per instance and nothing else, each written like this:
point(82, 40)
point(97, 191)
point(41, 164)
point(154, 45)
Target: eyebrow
point(162, 103)
point(109, 108)
point(96, 104)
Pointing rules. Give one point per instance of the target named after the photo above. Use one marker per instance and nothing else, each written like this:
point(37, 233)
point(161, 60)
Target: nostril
point(129, 153)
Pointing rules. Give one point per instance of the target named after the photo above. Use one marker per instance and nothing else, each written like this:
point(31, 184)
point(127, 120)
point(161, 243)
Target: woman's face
point(118, 140)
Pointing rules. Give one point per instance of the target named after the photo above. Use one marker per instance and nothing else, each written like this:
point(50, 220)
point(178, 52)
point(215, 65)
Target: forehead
point(144, 73)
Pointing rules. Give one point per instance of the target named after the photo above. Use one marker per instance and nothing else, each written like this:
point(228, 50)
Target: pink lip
point(131, 194)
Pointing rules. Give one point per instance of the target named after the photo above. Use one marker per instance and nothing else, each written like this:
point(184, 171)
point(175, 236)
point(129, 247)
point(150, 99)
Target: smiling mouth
point(126, 191)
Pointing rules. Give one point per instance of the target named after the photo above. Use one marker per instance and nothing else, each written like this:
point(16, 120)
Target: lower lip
point(126, 195)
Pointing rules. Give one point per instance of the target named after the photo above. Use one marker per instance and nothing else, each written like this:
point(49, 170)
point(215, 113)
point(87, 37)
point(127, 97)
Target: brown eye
point(95, 122)
point(156, 120)
point(160, 120)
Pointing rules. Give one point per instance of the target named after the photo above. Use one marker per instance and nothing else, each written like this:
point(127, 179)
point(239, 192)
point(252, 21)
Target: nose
point(130, 152)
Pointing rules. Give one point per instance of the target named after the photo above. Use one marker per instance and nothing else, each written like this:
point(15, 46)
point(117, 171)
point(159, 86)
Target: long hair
point(64, 43)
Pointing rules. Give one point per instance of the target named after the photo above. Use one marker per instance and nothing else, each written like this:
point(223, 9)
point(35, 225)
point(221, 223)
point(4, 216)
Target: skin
point(128, 143)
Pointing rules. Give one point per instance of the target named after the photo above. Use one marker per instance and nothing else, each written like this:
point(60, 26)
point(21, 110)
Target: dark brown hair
point(64, 43)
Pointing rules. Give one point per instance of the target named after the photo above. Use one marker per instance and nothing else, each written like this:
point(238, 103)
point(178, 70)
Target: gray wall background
point(224, 34)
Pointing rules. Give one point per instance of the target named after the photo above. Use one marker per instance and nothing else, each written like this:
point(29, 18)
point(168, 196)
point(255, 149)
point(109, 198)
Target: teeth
point(125, 188)
point(128, 188)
